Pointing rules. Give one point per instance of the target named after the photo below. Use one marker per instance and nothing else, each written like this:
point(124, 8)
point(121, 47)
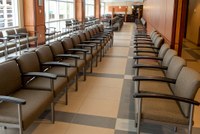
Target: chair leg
point(52, 113)
point(139, 115)
point(76, 82)
point(91, 64)
point(101, 53)
point(84, 73)
point(20, 119)
point(191, 119)
point(96, 60)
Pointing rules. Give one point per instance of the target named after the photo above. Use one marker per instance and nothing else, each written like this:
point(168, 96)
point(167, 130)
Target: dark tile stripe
point(96, 121)
point(83, 119)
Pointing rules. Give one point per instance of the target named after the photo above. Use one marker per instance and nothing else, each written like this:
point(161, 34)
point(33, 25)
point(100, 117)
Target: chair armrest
point(86, 45)
point(98, 38)
point(12, 100)
point(78, 50)
point(150, 66)
point(146, 43)
point(68, 56)
point(165, 96)
point(145, 51)
point(146, 47)
point(90, 41)
point(142, 39)
point(147, 57)
point(41, 74)
point(154, 78)
point(59, 64)
point(3, 38)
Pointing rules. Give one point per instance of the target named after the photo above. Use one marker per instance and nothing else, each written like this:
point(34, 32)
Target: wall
point(193, 23)
point(159, 15)
point(129, 4)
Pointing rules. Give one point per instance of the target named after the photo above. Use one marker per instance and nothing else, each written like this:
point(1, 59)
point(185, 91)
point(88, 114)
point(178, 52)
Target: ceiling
point(121, 0)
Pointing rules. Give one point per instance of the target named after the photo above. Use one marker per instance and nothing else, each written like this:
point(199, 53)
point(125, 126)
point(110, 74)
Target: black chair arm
point(68, 56)
point(58, 64)
point(146, 47)
point(41, 74)
point(78, 50)
point(154, 78)
point(150, 66)
point(147, 57)
point(12, 100)
point(165, 96)
point(145, 51)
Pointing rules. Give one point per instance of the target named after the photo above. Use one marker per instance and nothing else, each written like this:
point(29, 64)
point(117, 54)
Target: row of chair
point(141, 26)
point(31, 82)
point(164, 87)
point(17, 39)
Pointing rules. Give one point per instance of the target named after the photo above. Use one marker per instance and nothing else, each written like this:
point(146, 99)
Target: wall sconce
point(132, 7)
point(120, 7)
point(40, 2)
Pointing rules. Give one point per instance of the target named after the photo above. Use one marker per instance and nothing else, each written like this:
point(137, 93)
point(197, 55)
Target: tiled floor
point(104, 103)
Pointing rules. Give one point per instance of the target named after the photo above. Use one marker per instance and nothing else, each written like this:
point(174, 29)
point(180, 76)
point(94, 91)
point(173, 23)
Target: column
point(34, 18)
point(80, 10)
point(97, 9)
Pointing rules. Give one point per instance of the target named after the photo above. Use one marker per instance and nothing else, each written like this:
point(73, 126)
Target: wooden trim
point(173, 37)
point(182, 25)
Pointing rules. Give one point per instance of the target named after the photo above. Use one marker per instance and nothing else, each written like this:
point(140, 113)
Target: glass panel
point(58, 11)
point(8, 13)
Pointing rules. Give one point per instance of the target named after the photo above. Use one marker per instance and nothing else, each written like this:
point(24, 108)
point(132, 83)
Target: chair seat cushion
point(155, 87)
point(36, 102)
point(80, 63)
point(43, 83)
point(71, 72)
point(163, 110)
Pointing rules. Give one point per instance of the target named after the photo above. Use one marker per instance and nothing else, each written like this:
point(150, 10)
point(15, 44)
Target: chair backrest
point(158, 42)
point(28, 62)
point(10, 80)
point(168, 56)
point(21, 30)
point(1, 35)
point(163, 50)
point(101, 27)
point(67, 44)
point(187, 84)
point(154, 37)
point(44, 54)
point(75, 39)
point(56, 48)
point(10, 32)
point(87, 34)
point(175, 66)
point(82, 36)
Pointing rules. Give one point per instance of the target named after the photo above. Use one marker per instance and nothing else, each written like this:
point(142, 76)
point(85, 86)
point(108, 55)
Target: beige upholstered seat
point(17, 100)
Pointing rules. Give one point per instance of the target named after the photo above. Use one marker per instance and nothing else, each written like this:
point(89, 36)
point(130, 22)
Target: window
point(57, 12)
point(8, 13)
point(89, 8)
point(102, 8)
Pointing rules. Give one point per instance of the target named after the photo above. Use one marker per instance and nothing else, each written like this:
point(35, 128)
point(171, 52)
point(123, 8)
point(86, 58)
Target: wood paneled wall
point(118, 8)
point(159, 15)
point(193, 21)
